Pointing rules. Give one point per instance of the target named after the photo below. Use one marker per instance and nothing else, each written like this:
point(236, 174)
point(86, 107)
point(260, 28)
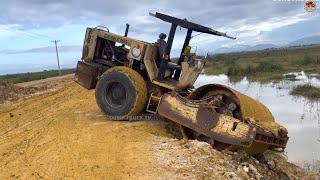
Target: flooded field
point(299, 115)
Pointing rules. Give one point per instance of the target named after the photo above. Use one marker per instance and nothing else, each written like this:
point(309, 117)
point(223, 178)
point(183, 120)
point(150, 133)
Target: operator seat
point(173, 66)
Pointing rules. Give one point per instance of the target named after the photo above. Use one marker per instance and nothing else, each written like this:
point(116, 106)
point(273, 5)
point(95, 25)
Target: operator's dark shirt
point(161, 45)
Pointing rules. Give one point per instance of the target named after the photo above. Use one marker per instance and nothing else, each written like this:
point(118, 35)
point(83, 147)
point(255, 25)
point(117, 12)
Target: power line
point(35, 34)
point(40, 35)
point(30, 34)
point(56, 42)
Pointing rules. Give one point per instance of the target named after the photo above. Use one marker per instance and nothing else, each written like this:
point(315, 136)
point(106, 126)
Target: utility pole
point(56, 42)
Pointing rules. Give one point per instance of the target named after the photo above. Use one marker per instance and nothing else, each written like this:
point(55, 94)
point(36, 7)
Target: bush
point(307, 59)
point(253, 70)
point(230, 62)
point(249, 70)
point(308, 91)
point(233, 70)
point(268, 67)
point(317, 60)
point(25, 77)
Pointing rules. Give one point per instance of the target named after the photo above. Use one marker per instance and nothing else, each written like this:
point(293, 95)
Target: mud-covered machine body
point(131, 77)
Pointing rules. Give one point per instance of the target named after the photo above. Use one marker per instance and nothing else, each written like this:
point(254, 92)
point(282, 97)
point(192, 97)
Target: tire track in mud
point(41, 124)
point(28, 133)
point(48, 138)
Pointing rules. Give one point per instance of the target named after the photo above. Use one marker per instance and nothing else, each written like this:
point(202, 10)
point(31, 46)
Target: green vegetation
point(290, 76)
point(307, 91)
point(266, 65)
point(31, 76)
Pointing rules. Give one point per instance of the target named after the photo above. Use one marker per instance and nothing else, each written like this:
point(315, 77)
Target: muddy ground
point(58, 132)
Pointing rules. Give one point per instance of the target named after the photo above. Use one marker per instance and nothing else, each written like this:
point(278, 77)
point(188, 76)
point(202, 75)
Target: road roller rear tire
point(121, 92)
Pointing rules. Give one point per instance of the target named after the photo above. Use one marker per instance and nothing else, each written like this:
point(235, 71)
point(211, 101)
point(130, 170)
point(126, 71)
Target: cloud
point(49, 49)
point(28, 26)
point(246, 19)
point(215, 13)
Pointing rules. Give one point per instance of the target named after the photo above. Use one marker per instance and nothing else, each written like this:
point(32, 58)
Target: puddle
point(299, 115)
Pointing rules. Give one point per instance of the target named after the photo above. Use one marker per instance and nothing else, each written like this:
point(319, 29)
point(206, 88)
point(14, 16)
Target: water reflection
point(299, 115)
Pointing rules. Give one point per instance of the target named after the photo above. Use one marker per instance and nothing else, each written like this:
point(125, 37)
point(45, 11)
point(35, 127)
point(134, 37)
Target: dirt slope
point(63, 134)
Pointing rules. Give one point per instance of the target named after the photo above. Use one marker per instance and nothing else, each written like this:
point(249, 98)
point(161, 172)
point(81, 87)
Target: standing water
point(299, 115)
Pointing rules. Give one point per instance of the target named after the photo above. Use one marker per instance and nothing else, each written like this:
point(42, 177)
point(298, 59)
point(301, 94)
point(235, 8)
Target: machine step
point(153, 103)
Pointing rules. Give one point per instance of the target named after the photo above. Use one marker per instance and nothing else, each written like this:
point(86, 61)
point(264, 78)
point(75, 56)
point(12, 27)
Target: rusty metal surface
point(200, 116)
point(264, 136)
point(251, 109)
point(86, 75)
point(269, 134)
point(206, 121)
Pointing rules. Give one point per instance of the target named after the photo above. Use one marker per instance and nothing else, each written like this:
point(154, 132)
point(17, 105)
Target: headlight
point(136, 51)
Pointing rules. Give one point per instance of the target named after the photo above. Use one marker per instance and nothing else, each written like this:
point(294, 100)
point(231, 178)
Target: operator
point(161, 45)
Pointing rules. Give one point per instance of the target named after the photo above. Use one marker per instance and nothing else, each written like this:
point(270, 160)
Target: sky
point(27, 27)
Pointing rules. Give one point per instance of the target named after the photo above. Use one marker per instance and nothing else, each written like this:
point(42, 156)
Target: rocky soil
point(10, 92)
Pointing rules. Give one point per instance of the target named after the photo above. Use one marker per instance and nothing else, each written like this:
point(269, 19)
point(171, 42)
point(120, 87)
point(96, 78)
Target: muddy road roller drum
point(132, 76)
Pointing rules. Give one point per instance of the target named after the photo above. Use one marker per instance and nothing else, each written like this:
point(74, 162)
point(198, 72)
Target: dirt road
point(62, 134)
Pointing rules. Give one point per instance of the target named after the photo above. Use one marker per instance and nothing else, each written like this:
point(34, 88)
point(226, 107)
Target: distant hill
point(306, 41)
point(239, 48)
point(262, 46)
point(236, 48)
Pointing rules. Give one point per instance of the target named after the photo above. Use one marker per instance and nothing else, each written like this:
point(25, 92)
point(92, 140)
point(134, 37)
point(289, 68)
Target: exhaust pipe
point(126, 32)
point(127, 29)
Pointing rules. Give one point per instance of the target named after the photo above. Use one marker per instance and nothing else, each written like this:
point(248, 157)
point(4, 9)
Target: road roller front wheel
point(121, 92)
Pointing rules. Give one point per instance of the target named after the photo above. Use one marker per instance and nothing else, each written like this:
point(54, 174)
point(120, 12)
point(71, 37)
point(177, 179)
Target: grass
point(266, 65)
point(314, 166)
point(308, 91)
point(290, 76)
point(31, 76)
